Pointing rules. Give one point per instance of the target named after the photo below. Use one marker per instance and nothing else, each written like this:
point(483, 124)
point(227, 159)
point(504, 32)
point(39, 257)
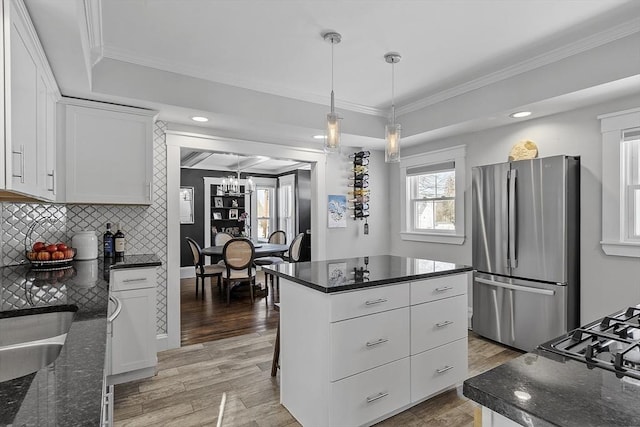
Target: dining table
point(261, 249)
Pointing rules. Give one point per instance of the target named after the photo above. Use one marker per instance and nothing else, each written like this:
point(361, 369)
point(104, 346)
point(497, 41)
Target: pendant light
point(392, 129)
point(332, 137)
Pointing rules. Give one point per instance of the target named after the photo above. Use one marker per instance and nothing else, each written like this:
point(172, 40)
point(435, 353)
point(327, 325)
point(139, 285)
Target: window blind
point(425, 169)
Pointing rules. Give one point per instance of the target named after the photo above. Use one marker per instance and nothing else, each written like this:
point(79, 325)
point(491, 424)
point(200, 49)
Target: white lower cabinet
point(370, 395)
point(358, 357)
point(132, 336)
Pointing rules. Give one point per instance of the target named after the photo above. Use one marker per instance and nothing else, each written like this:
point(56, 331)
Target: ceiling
point(230, 162)
point(260, 70)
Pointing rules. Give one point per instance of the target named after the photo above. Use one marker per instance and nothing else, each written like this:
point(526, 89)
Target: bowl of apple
point(47, 255)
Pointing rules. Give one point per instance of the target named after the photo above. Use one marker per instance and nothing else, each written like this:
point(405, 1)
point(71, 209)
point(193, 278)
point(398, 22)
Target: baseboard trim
point(162, 342)
point(187, 272)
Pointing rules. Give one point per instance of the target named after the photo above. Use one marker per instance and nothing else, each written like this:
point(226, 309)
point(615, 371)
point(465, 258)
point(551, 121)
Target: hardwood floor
point(209, 319)
point(190, 383)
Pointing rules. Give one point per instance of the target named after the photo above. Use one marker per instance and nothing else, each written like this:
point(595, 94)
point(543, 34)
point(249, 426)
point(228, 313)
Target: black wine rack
point(359, 186)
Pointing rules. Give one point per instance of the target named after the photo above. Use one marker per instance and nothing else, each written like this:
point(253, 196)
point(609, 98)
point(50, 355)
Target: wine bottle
point(118, 243)
point(360, 154)
point(108, 242)
point(360, 169)
point(359, 192)
point(359, 199)
point(359, 184)
point(360, 207)
point(360, 161)
point(359, 176)
point(362, 215)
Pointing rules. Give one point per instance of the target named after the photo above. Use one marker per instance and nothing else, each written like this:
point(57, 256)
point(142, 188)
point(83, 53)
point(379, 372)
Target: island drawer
point(133, 278)
point(439, 288)
point(373, 300)
point(438, 322)
point(437, 369)
point(365, 397)
point(369, 341)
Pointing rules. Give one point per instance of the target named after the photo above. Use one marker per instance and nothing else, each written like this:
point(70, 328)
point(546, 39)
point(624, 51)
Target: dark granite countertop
point(68, 391)
point(544, 389)
point(355, 273)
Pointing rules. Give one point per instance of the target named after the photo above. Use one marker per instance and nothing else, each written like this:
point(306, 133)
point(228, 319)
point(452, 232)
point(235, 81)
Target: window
point(286, 202)
point(263, 197)
point(433, 204)
point(621, 183)
point(432, 199)
point(631, 181)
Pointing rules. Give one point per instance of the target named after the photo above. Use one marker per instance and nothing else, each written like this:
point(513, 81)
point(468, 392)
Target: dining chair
point(295, 250)
point(238, 255)
point(221, 238)
point(278, 237)
point(203, 271)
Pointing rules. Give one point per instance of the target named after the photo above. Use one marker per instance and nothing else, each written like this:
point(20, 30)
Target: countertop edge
point(363, 285)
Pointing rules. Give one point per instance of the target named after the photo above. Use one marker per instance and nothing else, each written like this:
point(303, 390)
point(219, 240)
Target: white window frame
point(454, 154)
point(288, 225)
point(617, 214)
point(270, 184)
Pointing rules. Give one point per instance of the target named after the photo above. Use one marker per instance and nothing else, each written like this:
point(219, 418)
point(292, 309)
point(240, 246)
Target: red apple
point(62, 246)
point(51, 248)
point(57, 255)
point(38, 246)
point(44, 256)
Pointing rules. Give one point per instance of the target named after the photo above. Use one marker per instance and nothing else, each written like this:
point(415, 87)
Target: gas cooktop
point(612, 343)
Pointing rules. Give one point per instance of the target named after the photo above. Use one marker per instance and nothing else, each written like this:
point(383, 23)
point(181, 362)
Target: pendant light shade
point(392, 131)
point(332, 135)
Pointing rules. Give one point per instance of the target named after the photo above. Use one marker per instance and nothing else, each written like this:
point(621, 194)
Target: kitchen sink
point(34, 327)
point(22, 359)
point(31, 342)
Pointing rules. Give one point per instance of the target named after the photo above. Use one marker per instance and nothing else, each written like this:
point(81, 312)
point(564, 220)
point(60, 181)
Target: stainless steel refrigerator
point(526, 250)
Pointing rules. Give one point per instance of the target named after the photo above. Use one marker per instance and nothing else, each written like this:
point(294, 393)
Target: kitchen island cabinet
point(365, 338)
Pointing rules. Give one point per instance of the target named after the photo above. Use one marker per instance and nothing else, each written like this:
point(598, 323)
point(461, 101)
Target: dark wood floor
point(209, 319)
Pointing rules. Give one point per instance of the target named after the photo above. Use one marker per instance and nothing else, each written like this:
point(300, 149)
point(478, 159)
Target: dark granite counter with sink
point(69, 390)
point(355, 273)
point(544, 389)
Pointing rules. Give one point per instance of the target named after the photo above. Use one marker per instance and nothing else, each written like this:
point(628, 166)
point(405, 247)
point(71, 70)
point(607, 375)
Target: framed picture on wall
point(217, 215)
point(233, 213)
point(186, 205)
point(217, 202)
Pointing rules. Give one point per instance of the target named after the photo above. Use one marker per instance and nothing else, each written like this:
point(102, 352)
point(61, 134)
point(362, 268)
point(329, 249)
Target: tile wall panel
point(145, 227)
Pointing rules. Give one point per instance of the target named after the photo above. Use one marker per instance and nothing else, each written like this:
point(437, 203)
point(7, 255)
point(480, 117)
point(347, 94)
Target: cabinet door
point(133, 345)
point(21, 83)
point(109, 156)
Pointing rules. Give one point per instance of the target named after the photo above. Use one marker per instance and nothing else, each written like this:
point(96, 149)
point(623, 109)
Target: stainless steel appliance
point(526, 243)
point(612, 343)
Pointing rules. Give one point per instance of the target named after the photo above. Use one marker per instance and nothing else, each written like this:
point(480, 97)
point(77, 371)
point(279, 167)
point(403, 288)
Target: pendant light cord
point(393, 91)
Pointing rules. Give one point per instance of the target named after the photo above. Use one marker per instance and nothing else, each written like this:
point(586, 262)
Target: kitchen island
point(365, 338)
point(69, 390)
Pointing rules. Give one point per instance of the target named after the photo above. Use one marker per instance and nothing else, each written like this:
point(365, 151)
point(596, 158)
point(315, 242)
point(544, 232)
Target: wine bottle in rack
point(360, 154)
point(359, 161)
point(359, 192)
point(359, 176)
point(360, 206)
point(360, 169)
point(360, 215)
point(359, 184)
point(359, 199)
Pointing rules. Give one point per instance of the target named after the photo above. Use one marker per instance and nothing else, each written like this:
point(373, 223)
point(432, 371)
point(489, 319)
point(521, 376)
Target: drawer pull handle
point(376, 342)
point(375, 301)
point(144, 279)
point(443, 289)
point(377, 396)
point(443, 324)
point(445, 369)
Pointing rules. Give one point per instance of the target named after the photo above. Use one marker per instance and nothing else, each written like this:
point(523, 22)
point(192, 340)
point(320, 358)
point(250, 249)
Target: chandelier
point(231, 184)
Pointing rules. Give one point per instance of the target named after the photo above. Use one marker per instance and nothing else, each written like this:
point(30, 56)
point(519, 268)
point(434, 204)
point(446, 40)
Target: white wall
point(351, 241)
point(607, 283)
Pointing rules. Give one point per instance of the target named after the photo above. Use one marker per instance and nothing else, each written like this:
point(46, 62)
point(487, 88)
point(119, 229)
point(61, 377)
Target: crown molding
point(595, 40)
point(93, 19)
point(205, 74)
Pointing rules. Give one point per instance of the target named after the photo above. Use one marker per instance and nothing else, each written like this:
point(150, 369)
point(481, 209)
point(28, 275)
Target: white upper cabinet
point(30, 94)
point(109, 153)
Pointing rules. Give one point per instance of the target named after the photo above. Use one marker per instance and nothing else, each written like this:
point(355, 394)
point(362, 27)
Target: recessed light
point(199, 119)
point(318, 136)
point(520, 114)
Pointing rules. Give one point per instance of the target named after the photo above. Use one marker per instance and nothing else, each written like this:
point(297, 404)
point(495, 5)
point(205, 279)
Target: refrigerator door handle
point(505, 224)
point(548, 292)
point(513, 259)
